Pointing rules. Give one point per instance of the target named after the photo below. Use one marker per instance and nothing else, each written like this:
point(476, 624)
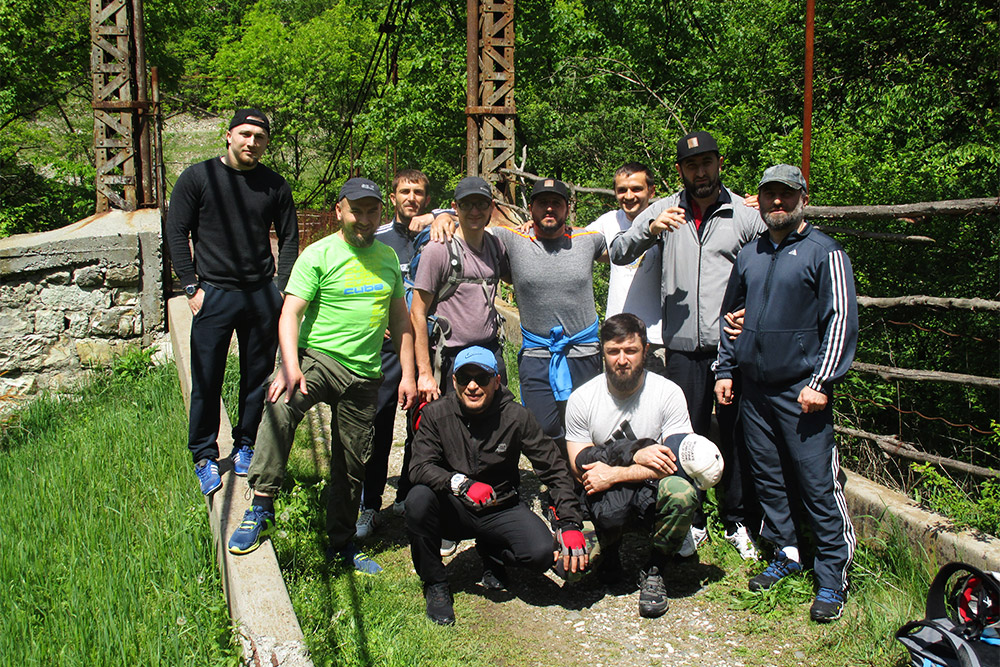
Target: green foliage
point(943, 495)
point(132, 365)
point(107, 558)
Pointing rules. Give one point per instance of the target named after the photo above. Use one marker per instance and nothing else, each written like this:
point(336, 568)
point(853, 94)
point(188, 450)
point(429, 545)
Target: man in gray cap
point(343, 291)
point(700, 230)
point(798, 340)
point(456, 283)
point(226, 208)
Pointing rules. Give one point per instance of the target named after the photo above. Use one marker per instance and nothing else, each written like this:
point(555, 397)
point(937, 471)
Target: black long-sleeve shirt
point(228, 214)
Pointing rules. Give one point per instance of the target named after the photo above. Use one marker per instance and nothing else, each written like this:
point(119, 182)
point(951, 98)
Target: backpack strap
point(938, 644)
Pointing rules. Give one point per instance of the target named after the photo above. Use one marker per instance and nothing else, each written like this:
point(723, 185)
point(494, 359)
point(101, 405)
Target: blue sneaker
point(828, 605)
point(778, 569)
point(257, 524)
point(208, 476)
point(362, 563)
point(242, 456)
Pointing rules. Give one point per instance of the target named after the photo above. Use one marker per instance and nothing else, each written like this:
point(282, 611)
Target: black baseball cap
point(695, 143)
point(550, 185)
point(472, 185)
point(359, 188)
point(251, 117)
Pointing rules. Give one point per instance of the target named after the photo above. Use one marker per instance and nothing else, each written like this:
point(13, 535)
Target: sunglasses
point(482, 378)
point(478, 204)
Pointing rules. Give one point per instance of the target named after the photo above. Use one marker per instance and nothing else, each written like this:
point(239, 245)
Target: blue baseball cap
point(478, 356)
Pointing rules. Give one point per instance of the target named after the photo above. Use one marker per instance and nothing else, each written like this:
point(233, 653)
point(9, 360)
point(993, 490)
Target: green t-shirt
point(348, 290)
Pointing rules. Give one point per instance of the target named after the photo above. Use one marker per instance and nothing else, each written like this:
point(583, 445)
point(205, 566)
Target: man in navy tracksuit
point(798, 339)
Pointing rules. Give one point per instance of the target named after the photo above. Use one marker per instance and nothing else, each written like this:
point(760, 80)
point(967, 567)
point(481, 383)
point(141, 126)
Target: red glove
point(478, 493)
point(572, 542)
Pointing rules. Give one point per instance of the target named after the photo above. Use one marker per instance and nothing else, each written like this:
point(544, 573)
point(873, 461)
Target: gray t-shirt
point(554, 280)
point(657, 410)
point(470, 310)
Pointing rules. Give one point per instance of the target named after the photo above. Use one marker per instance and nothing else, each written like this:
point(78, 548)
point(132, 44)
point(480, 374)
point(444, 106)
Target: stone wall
point(74, 297)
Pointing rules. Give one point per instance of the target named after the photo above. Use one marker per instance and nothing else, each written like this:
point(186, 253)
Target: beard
point(358, 239)
point(701, 191)
point(780, 221)
point(625, 381)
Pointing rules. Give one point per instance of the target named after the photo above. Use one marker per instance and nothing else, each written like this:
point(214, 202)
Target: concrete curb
point(881, 512)
point(255, 592)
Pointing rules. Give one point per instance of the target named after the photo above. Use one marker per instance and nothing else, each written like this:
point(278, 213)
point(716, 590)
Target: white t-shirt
point(634, 288)
point(657, 410)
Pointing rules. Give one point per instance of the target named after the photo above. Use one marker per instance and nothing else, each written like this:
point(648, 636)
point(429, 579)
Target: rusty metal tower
point(490, 92)
point(121, 106)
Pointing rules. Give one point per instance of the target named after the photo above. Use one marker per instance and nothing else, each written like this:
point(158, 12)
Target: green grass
point(105, 553)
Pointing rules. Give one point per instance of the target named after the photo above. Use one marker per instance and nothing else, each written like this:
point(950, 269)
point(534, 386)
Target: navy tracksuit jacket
point(800, 329)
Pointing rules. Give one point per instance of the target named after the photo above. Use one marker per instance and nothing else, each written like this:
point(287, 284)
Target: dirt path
point(585, 623)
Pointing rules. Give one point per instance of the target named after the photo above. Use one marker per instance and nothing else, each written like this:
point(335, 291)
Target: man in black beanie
point(226, 207)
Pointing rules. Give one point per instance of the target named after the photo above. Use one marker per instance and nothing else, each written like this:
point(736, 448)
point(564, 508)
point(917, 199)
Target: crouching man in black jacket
point(465, 478)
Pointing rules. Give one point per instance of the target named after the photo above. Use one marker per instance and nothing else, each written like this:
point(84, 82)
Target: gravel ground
point(584, 623)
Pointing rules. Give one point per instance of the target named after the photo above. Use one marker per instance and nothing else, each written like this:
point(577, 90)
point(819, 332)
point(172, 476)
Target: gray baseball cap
point(784, 173)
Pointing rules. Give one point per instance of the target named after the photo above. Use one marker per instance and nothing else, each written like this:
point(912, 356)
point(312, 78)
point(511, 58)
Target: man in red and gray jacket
point(465, 485)
point(798, 339)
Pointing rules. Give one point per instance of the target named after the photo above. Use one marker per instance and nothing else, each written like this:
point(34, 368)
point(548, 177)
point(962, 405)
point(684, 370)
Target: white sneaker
point(366, 524)
point(448, 548)
point(399, 509)
point(699, 535)
point(740, 538)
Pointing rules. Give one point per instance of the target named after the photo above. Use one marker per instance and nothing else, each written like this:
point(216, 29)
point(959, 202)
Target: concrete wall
point(75, 296)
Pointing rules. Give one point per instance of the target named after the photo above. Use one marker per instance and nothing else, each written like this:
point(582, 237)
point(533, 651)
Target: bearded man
point(700, 230)
point(798, 339)
point(615, 428)
point(343, 292)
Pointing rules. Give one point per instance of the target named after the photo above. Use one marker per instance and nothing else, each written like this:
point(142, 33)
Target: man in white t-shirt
point(635, 287)
point(625, 480)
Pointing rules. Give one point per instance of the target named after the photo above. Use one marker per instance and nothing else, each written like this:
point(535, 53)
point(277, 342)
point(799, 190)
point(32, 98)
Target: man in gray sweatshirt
point(700, 230)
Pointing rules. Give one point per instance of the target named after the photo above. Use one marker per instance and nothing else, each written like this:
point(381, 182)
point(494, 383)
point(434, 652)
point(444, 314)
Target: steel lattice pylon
point(121, 132)
point(490, 98)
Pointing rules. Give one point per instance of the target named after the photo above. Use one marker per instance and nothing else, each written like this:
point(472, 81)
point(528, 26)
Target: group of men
point(708, 297)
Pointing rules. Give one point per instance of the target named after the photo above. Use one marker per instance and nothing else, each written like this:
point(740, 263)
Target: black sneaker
point(653, 600)
point(828, 605)
point(495, 579)
point(439, 604)
point(777, 569)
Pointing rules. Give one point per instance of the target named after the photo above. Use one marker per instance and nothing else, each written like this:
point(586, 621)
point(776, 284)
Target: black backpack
point(961, 622)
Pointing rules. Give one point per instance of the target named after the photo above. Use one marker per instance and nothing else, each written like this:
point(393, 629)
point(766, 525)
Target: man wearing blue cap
point(798, 340)
point(226, 208)
point(342, 293)
point(465, 475)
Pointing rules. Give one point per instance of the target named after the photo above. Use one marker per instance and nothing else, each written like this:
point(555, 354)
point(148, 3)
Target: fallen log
point(894, 446)
point(933, 301)
point(892, 373)
point(948, 207)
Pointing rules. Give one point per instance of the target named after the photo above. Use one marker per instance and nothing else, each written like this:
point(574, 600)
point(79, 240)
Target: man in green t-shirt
point(343, 291)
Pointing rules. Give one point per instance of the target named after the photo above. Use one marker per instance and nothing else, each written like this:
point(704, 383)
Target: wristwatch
point(457, 480)
point(192, 289)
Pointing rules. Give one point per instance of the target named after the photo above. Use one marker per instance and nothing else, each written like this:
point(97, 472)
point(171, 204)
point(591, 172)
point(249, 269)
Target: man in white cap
point(465, 485)
point(616, 428)
point(343, 291)
point(798, 340)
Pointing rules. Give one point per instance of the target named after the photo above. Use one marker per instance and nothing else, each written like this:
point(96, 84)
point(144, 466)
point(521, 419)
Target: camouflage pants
point(665, 510)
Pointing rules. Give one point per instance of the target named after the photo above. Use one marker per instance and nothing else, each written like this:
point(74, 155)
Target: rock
point(16, 295)
point(125, 326)
point(50, 322)
point(125, 297)
point(15, 323)
point(88, 276)
point(57, 278)
point(121, 276)
point(71, 297)
point(96, 352)
point(78, 324)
